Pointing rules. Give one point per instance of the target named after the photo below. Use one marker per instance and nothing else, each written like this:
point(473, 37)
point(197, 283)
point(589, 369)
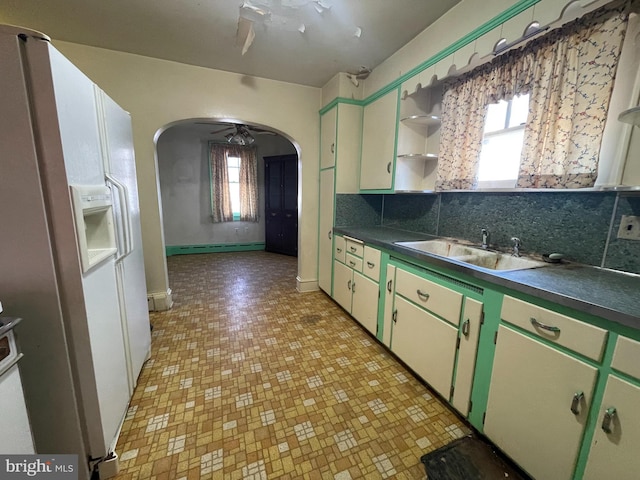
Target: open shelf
point(421, 120)
point(419, 156)
point(631, 116)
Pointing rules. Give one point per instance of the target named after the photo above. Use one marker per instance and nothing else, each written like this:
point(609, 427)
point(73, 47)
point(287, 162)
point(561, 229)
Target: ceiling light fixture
point(240, 137)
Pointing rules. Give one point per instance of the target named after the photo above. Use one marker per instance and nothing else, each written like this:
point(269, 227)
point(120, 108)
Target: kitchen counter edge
point(593, 290)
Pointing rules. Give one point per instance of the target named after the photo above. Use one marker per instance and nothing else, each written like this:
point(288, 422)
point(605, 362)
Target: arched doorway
point(185, 184)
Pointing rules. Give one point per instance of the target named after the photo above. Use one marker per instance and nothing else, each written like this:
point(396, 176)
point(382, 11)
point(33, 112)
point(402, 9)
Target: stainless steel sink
point(488, 259)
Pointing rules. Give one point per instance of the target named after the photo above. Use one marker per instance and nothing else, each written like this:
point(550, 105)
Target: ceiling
point(299, 41)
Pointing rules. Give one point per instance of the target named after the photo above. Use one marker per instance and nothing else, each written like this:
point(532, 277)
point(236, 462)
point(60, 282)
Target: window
point(502, 143)
point(569, 75)
point(233, 169)
point(234, 183)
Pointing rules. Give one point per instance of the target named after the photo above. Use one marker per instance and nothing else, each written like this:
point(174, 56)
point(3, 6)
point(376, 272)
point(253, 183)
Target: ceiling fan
point(240, 134)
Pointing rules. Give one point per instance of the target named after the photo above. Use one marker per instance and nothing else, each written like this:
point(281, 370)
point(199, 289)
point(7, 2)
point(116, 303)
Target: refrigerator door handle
point(123, 196)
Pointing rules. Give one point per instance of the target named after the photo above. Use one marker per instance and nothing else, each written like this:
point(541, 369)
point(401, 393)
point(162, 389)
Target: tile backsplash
point(581, 225)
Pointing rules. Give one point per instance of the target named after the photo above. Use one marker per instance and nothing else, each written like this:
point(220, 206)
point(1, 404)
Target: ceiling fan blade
point(221, 130)
point(259, 131)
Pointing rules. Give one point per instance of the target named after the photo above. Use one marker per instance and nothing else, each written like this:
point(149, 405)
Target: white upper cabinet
point(328, 138)
point(349, 133)
point(378, 142)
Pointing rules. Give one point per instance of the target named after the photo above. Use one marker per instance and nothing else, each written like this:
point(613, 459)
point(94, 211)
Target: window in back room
point(233, 168)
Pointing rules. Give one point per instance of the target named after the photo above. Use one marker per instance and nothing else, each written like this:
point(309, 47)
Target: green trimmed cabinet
point(325, 238)
point(422, 327)
point(614, 448)
point(540, 395)
point(340, 131)
point(379, 127)
point(356, 272)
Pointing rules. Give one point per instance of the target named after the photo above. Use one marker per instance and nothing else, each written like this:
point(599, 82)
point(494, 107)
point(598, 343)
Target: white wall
point(183, 167)
point(158, 92)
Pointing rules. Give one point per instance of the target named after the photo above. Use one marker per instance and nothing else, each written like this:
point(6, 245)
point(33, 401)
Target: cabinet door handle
point(389, 285)
point(371, 265)
point(575, 403)
point(394, 316)
point(466, 327)
point(389, 167)
point(548, 328)
point(609, 414)
point(329, 234)
point(353, 287)
point(422, 295)
point(349, 285)
point(333, 148)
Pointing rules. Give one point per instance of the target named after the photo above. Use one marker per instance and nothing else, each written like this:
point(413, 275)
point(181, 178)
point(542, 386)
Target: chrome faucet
point(516, 246)
point(485, 238)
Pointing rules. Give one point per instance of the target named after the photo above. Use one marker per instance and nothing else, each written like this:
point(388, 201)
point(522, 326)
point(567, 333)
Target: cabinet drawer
point(371, 264)
point(566, 331)
point(436, 298)
point(625, 357)
point(355, 247)
point(339, 248)
point(354, 262)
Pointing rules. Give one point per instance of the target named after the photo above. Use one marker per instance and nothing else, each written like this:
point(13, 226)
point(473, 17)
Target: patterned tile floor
point(250, 379)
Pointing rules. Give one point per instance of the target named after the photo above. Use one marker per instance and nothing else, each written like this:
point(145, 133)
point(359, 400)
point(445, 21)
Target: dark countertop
point(609, 294)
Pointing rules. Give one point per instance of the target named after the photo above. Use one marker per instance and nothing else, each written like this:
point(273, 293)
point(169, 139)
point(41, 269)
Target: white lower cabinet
point(389, 291)
point(325, 240)
point(357, 294)
point(342, 281)
point(614, 449)
point(364, 306)
point(467, 352)
point(538, 405)
point(425, 343)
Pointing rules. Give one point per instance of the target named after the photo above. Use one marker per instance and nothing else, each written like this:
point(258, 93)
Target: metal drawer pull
point(338, 249)
point(353, 249)
point(352, 263)
point(575, 403)
point(466, 327)
point(389, 286)
point(394, 317)
point(371, 265)
point(349, 284)
point(541, 325)
point(609, 413)
point(422, 295)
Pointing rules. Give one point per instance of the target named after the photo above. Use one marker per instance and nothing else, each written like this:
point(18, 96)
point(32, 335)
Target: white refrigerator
point(71, 251)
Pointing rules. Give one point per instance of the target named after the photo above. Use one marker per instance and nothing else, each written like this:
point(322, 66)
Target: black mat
point(469, 458)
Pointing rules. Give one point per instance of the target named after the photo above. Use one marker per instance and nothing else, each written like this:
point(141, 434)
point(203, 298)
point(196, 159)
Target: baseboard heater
point(223, 247)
